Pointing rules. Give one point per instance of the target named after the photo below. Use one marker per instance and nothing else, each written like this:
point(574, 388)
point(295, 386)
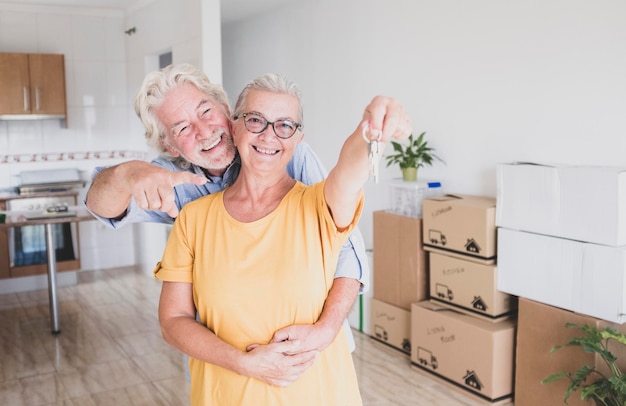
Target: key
point(373, 157)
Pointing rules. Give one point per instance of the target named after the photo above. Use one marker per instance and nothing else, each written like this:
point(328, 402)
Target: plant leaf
point(608, 391)
point(415, 154)
point(555, 377)
point(611, 334)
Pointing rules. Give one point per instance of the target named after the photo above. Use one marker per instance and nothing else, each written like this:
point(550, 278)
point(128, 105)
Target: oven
point(27, 244)
point(41, 193)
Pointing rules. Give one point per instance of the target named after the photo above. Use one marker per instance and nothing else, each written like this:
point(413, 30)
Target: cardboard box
point(400, 272)
point(541, 327)
point(471, 353)
point(391, 325)
point(406, 197)
point(582, 203)
point(468, 286)
point(453, 386)
point(573, 275)
point(461, 223)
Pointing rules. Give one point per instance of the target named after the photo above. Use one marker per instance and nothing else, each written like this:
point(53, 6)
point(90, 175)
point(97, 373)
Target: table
point(20, 219)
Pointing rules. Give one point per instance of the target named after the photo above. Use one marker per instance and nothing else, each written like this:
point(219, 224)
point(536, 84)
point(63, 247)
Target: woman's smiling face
point(266, 151)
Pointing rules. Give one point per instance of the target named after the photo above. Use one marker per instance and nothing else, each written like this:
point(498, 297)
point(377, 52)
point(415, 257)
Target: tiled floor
point(110, 352)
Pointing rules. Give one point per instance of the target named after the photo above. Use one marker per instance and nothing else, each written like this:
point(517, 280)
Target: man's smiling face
point(197, 129)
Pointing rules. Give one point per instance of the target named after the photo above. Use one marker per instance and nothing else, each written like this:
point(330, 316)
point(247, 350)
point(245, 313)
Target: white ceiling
point(231, 10)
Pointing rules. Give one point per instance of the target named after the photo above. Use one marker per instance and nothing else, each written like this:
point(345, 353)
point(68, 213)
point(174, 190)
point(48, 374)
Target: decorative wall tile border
point(71, 156)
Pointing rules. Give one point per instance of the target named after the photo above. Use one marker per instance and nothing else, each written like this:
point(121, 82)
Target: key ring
point(365, 128)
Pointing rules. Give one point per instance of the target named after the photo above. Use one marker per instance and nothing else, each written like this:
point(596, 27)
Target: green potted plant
point(603, 389)
point(411, 157)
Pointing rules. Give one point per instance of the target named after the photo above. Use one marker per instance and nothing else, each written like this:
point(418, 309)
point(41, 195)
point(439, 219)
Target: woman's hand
point(278, 364)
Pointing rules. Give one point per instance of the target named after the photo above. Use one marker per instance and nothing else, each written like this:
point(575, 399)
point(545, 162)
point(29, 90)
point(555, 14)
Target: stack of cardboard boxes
point(400, 272)
point(562, 250)
point(434, 291)
point(443, 293)
point(465, 334)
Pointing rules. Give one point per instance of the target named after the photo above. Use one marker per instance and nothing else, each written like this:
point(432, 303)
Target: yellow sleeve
point(176, 265)
point(343, 233)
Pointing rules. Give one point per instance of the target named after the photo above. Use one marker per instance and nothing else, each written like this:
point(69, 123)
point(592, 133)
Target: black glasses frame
point(297, 125)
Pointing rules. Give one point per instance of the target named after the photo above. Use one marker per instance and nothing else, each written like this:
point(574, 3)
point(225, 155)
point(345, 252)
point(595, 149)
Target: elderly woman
point(262, 254)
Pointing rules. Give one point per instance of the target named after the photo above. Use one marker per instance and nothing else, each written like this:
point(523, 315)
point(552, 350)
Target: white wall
point(489, 80)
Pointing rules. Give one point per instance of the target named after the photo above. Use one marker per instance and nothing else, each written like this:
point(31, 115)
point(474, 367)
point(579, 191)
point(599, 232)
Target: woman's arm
point(384, 119)
point(268, 363)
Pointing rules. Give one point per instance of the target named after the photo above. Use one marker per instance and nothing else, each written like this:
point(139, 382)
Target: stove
point(51, 180)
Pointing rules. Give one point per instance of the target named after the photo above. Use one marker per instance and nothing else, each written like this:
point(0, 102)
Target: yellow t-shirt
point(251, 279)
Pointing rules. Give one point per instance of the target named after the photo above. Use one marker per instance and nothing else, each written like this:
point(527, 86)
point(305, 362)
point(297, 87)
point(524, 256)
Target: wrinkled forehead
point(189, 96)
point(272, 105)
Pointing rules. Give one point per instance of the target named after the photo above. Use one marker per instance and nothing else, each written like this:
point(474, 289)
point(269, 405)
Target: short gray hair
point(274, 83)
point(154, 89)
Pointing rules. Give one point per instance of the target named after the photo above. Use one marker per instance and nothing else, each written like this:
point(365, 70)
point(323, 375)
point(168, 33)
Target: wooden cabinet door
point(47, 84)
point(14, 84)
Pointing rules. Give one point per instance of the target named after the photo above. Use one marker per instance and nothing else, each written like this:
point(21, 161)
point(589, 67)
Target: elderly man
point(187, 119)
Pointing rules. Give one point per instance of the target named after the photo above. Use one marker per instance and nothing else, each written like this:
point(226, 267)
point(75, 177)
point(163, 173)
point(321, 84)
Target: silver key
point(373, 159)
point(373, 155)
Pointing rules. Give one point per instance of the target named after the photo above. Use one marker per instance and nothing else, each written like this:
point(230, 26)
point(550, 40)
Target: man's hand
point(297, 343)
point(318, 336)
point(153, 186)
point(150, 185)
point(312, 337)
point(272, 363)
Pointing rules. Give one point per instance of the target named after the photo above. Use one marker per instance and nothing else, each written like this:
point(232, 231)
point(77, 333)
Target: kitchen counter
point(19, 218)
point(12, 195)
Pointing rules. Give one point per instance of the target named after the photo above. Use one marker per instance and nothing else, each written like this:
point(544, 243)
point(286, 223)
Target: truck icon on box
point(443, 292)
point(436, 237)
point(381, 333)
point(426, 358)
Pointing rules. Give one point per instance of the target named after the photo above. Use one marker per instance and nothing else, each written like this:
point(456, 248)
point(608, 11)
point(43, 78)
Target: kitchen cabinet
point(33, 86)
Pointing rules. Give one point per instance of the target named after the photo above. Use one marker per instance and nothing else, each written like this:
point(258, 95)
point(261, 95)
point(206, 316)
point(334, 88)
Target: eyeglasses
point(256, 124)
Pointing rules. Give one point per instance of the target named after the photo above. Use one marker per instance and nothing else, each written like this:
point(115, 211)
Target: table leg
point(52, 280)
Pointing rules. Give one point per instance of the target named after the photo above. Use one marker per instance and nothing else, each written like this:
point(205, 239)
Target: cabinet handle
point(37, 99)
point(26, 98)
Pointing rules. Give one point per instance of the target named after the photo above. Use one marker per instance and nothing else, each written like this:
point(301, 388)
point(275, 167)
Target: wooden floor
point(110, 352)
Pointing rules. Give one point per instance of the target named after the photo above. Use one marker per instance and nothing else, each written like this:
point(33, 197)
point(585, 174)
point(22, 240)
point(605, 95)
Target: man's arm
point(151, 186)
point(337, 307)
point(320, 335)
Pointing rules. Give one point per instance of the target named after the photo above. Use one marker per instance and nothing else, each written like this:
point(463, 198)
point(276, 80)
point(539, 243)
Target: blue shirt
point(304, 166)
